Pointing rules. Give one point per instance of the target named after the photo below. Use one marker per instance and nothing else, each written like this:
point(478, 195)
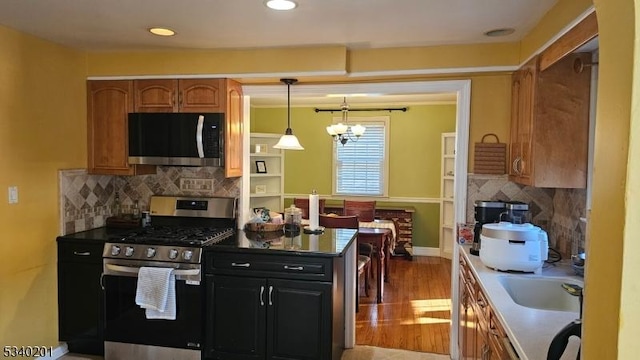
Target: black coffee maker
point(485, 212)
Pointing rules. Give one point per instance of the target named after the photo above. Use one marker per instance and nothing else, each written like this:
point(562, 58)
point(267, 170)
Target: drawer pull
point(299, 268)
point(270, 295)
point(82, 253)
point(245, 265)
point(261, 295)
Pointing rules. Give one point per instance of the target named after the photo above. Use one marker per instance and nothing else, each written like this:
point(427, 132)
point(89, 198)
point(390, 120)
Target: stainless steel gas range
point(181, 228)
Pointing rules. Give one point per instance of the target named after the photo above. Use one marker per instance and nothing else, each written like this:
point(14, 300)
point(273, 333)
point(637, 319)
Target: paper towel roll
point(313, 242)
point(314, 203)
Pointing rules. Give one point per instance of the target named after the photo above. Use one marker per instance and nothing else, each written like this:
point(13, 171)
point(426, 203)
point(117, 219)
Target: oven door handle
point(135, 270)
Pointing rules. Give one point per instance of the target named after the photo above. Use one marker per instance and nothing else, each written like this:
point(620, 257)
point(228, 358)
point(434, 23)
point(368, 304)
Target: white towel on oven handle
point(156, 292)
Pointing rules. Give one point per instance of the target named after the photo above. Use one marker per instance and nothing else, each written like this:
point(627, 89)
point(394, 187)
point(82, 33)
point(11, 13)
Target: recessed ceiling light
point(162, 31)
point(281, 4)
point(500, 32)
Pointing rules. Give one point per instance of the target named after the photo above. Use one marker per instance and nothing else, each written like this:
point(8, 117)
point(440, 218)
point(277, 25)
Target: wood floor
point(416, 311)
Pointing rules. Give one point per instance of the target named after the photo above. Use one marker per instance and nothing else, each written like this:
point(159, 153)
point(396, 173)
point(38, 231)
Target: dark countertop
point(331, 243)
point(101, 234)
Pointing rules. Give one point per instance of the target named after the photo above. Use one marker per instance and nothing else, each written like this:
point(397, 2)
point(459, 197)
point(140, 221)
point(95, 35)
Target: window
point(360, 167)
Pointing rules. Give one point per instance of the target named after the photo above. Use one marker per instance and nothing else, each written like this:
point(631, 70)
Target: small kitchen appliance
point(188, 139)
point(516, 212)
point(181, 229)
point(514, 247)
point(485, 212)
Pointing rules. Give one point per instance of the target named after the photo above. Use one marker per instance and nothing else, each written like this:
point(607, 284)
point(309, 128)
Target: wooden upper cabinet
point(180, 95)
point(550, 124)
point(110, 102)
point(108, 106)
point(234, 130)
point(156, 95)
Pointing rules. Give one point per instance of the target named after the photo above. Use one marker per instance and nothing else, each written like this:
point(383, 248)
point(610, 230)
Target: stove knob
point(187, 255)
point(115, 250)
point(128, 251)
point(173, 253)
point(151, 252)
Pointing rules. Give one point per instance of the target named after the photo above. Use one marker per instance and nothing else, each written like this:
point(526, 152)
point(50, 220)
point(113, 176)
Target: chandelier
point(342, 132)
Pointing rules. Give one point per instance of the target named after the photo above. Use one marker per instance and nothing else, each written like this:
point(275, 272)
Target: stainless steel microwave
point(182, 139)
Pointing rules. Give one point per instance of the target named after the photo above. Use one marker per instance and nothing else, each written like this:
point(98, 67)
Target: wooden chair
point(337, 221)
point(303, 204)
point(365, 251)
point(365, 210)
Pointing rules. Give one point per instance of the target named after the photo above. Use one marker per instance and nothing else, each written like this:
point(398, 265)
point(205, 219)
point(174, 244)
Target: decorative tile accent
point(86, 200)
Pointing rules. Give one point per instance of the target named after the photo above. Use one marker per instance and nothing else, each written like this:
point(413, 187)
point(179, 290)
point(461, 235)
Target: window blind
point(360, 164)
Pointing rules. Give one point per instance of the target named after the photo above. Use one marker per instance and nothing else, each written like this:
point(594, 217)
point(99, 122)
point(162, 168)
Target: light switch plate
point(13, 194)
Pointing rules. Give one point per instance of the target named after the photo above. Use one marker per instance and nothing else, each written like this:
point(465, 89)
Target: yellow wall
point(42, 129)
point(563, 13)
point(414, 147)
point(611, 304)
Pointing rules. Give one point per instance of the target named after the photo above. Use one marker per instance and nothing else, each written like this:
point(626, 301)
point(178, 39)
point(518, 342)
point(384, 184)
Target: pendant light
point(288, 141)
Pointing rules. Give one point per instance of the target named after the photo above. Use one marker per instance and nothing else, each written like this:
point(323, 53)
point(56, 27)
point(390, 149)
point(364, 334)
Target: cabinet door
point(515, 147)
point(156, 95)
point(201, 95)
point(108, 105)
point(234, 130)
point(522, 108)
point(80, 306)
point(463, 307)
point(299, 320)
point(235, 327)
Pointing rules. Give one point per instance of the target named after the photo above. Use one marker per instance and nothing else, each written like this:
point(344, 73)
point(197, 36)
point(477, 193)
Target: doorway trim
point(462, 89)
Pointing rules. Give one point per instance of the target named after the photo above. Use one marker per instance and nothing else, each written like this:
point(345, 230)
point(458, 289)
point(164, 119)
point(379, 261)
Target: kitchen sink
point(541, 293)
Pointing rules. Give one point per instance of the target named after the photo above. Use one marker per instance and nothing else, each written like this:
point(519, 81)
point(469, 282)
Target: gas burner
point(168, 235)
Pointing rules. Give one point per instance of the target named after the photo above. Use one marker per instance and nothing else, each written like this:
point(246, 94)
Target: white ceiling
point(103, 25)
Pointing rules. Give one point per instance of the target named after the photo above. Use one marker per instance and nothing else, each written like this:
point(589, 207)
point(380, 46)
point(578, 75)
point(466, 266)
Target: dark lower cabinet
point(80, 296)
point(271, 316)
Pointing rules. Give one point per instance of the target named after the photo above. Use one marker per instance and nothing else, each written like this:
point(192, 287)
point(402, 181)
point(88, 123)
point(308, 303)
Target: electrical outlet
point(13, 194)
point(196, 184)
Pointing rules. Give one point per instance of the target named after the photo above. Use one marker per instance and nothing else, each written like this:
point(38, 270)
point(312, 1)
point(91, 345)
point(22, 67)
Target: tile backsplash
point(558, 211)
point(86, 200)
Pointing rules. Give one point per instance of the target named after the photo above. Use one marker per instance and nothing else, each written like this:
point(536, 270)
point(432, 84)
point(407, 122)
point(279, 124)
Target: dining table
point(381, 234)
point(380, 239)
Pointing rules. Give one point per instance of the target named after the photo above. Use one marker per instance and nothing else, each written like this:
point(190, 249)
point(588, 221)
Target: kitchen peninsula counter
point(330, 243)
point(264, 287)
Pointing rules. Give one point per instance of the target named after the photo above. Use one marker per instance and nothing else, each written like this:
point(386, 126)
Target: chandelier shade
point(342, 132)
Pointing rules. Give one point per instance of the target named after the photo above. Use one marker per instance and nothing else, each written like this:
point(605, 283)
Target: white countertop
point(530, 330)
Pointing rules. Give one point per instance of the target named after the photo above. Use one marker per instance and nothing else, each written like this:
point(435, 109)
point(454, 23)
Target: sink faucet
point(574, 328)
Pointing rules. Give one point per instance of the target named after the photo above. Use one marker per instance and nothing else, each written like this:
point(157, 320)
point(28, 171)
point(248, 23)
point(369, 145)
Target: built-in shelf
point(271, 183)
point(447, 195)
point(265, 195)
point(265, 154)
point(266, 175)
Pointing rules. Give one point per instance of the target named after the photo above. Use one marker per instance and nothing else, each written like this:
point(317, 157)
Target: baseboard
point(426, 251)
point(57, 352)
